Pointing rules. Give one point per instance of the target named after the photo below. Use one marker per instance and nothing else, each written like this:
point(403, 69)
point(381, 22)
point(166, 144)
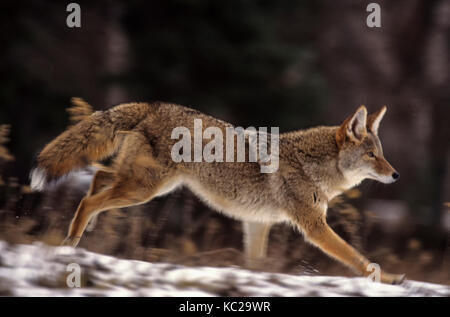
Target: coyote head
point(360, 151)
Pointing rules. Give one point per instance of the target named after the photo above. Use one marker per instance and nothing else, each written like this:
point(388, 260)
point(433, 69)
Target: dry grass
point(5, 156)
point(79, 110)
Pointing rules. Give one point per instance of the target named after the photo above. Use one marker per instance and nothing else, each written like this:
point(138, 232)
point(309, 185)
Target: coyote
point(315, 165)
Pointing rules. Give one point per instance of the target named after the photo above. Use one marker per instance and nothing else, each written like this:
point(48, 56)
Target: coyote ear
point(353, 128)
point(374, 119)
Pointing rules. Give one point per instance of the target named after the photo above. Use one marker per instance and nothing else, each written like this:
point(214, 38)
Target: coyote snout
point(382, 170)
point(387, 178)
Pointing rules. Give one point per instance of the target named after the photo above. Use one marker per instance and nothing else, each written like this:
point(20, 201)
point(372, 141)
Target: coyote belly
point(313, 166)
point(238, 208)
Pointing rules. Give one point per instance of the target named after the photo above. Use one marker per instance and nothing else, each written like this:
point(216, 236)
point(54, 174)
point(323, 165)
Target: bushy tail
point(93, 138)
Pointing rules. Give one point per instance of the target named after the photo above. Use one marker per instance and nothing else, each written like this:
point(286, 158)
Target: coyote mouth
point(382, 178)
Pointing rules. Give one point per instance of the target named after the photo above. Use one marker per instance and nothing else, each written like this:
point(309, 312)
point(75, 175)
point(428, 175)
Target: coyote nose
point(395, 175)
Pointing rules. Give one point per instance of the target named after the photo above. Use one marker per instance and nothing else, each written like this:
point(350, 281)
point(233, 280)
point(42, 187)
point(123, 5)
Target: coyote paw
point(392, 278)
point(71, 241)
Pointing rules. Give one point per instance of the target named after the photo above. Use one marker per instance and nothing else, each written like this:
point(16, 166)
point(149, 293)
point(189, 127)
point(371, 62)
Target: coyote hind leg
point(102, 180)
point(119, 196)
point(137, 180)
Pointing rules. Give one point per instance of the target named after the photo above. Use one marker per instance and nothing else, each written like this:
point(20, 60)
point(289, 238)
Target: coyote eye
point(370, 154)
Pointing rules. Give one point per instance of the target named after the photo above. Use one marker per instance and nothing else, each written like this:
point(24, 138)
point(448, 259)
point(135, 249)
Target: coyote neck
point(315, 154)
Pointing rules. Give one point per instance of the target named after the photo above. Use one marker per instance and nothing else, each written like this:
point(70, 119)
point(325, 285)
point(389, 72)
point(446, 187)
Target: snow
point(40, 270)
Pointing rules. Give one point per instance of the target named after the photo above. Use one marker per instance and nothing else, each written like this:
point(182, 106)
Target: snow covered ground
point(40, 270)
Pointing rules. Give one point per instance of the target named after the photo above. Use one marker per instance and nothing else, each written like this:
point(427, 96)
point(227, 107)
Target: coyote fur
point(315, 165)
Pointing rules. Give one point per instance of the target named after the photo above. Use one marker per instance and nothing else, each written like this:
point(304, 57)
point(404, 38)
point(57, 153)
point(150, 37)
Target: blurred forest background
point(292, 64)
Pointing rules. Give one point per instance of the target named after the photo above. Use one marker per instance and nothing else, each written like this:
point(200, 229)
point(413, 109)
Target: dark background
point(292, 64)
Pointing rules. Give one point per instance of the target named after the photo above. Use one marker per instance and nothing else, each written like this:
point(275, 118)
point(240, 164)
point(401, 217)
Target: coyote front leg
point(319, 233)
point(255, 241)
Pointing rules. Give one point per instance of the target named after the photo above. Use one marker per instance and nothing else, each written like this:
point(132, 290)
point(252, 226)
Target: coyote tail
point(93, 138)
